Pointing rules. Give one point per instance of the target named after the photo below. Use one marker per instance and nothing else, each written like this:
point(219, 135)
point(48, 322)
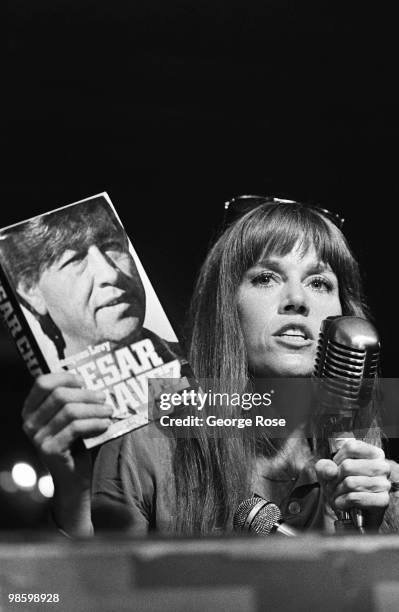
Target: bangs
point(277, 230)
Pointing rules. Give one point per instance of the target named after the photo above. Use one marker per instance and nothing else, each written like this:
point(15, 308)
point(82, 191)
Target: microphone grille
point(257, 515)
point(347, 358)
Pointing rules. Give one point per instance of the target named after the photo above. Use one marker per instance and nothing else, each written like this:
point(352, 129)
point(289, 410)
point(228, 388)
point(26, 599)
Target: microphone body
point(257, 515)
point(345, 372)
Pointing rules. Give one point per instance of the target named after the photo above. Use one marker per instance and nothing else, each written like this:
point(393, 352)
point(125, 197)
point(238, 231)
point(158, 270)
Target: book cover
point(74, 296)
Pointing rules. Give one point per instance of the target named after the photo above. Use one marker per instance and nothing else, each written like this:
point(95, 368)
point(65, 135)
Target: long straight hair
point(213, 473)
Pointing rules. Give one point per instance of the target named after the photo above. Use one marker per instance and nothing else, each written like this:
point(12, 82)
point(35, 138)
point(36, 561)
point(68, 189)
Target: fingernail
point(100, 396)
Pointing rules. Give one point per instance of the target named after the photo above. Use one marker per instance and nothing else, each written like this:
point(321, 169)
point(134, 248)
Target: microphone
point(260, 516)
point(345, 372)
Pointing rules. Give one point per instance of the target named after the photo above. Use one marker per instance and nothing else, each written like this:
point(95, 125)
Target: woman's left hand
point(357, 477)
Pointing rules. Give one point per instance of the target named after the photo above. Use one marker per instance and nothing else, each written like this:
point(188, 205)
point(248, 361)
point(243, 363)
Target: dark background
point(175, 106)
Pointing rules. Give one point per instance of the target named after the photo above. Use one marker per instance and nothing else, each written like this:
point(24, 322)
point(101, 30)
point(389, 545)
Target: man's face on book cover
point(93, 294)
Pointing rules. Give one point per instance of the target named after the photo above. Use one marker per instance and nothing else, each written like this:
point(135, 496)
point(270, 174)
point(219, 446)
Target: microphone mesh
point(264, 520)
point(347, 360)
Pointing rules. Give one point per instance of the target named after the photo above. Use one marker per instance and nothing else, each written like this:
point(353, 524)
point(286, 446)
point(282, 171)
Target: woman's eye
point(320, 283)
point(264, 279)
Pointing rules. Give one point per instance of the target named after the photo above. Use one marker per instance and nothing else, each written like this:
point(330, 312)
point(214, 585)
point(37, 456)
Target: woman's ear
point(33, 296)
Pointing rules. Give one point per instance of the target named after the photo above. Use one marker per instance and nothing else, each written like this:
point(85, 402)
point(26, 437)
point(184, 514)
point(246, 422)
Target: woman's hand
point(358, 477)
point(57, 414)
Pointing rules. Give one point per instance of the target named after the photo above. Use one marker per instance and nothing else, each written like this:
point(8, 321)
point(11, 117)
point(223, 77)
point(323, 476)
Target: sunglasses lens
point(240, 205)
point(334, 217)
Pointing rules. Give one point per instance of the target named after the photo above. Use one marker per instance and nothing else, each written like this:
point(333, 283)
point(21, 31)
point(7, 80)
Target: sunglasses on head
point(240, 205)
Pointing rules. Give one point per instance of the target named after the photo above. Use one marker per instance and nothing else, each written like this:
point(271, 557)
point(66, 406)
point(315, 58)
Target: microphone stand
point(347, 522)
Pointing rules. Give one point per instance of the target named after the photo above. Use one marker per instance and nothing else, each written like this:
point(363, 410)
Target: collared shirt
point(289, 480)
point(136, 470)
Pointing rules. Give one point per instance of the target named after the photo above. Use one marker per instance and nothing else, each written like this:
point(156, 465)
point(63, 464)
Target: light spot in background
point(24, 475)
point(46, 486)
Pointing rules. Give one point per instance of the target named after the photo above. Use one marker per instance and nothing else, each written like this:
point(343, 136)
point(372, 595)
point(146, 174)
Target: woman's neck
point(290, 457)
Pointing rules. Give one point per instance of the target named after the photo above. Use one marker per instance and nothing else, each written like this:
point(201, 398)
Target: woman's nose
point(294, 299)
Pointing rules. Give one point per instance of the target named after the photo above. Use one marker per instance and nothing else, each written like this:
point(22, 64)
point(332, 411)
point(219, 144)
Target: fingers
point(363, 467)
point(69, 416)
point(59, 403)
point(58, 411)
point(394, 467)
point(44, 385)
point(326, 470)
point(357, 449)
point(360, 478)
point(54, 445)
point(362, 499)
point(359, 484)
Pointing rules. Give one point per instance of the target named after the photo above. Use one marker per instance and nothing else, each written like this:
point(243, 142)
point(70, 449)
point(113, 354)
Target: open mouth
point(294, 333)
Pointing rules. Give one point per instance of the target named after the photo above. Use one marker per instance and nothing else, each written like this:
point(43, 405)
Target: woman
point(265, 287)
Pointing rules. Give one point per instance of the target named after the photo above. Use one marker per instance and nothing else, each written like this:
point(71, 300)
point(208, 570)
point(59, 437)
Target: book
point(74, 296)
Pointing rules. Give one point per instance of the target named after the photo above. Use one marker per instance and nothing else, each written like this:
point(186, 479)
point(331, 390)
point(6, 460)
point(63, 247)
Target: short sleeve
point(133, 483)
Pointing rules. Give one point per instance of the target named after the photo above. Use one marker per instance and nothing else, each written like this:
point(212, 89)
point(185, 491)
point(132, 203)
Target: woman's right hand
point(57, 414)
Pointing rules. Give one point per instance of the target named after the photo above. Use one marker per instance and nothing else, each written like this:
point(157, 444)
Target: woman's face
point(281, 304)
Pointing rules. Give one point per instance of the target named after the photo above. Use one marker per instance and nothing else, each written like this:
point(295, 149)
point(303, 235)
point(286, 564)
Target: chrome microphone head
point(347, 361)
point(256, 515)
